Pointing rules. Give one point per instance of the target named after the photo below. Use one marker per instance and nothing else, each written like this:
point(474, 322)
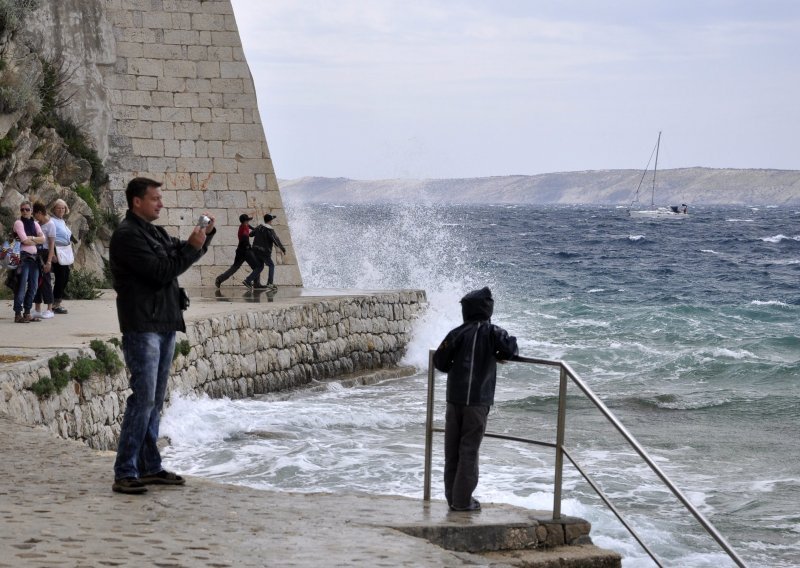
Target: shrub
point(43, 387)
point(82, 368)
point(83, 285)
point(182, 347)
point(6, 147)
point(109, 361)
point(12, 13)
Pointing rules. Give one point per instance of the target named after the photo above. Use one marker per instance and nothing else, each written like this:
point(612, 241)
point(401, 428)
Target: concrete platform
point(57, 507)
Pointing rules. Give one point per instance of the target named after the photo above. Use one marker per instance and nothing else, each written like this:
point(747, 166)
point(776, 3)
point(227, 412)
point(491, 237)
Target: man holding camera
point(145, 265)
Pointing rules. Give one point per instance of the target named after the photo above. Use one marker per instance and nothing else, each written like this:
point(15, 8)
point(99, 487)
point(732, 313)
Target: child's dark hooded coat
point(470, 352)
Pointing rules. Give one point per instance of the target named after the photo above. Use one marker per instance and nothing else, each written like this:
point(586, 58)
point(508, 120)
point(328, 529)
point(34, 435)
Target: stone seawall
point(251, 349)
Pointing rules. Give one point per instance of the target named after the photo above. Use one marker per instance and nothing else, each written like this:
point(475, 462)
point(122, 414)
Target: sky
point(381, 89)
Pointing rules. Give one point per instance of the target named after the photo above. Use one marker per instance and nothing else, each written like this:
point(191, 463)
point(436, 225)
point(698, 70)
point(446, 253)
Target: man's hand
point(198, 237)
point(210, 226)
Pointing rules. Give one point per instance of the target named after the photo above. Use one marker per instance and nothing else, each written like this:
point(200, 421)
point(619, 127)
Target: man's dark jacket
point(470, 352)
point(264, 237)
point(145, 265)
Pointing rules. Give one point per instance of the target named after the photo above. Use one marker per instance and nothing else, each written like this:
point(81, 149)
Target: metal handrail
point(566, 374)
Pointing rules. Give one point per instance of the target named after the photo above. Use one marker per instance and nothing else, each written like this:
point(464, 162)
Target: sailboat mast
point(655, 169)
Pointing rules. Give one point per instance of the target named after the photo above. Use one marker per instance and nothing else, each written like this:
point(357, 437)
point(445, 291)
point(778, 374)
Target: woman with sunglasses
point(29, 234)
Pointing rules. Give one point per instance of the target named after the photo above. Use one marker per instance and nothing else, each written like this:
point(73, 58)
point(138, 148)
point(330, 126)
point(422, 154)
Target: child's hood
point(477, 305)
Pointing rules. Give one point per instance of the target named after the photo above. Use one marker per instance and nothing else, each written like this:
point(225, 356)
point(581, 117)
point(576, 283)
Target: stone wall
point(164, 90)
point(237, 354)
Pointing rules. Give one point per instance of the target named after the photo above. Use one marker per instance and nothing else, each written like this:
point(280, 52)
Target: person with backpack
point(264, 237)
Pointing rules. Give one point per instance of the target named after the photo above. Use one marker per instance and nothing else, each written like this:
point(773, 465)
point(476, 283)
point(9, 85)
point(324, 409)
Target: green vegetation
point(84, 285)
point(106, 362)
point(6, 147)
point(182, 347)
point(13, 12)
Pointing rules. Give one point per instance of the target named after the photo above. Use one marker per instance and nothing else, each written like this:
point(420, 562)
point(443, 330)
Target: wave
point(779, 238)
point(769, 303)
point(635, 238)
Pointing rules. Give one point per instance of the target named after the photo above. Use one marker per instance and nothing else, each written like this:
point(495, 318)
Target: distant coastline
point(694, 186)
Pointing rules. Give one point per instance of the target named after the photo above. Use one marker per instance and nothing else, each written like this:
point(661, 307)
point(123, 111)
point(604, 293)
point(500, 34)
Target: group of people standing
point(39, 233)
point(258, 255)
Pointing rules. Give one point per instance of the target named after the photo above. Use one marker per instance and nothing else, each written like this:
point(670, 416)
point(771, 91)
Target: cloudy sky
point(372, 89)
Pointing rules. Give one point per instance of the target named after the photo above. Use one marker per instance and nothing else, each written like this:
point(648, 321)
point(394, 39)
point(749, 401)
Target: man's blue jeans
point(148, 356)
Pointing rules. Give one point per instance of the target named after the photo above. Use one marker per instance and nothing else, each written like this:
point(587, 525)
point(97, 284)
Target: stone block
point(175, 114)
point(208, 69)
point(240, 100)
point(172, 148)
point(210, 100)
point(152, 113)
point(227, 86)
point(165, 164)
point(164, 51)
point(172, 84)
point(215, 131)
point(181, 37)
point(200, 114)
point(226, 115)
point(195, 165)
point(129, 49)
point(153, 19)
point(186, 100)
point(187, 130)
point(239, 150)
point(145, 66)
point(185, 69)
point(198, 85)
point(234, 70)
point(146, 83)
point(148, 147)
point(229, 39)
point(246, 132)
point(220, 53)
point(134, 128)
point(181, 21)
point(163, 130)
point(211, 22)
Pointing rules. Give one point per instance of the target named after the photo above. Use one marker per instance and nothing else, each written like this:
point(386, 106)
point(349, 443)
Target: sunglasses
point(24, 209)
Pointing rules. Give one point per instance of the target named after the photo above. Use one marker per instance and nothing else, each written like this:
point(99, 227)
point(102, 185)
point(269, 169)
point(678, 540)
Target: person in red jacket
point(469, 355)
point(243, 252)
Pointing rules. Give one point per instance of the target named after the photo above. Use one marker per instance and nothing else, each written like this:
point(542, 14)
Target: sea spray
point(377, 248)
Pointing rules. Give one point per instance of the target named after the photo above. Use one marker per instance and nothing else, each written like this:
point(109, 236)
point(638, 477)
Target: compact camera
point(203, 221)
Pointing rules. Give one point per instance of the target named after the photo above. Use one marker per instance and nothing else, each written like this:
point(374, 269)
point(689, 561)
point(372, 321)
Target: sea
point(686, 328)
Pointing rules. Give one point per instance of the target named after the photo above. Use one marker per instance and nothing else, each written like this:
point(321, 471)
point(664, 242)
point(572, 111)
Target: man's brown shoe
point(129, 485)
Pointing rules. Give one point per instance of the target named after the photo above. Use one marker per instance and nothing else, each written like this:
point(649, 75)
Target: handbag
point(65, 255)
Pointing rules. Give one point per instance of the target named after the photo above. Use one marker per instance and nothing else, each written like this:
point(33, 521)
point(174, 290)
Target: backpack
point(262, 238)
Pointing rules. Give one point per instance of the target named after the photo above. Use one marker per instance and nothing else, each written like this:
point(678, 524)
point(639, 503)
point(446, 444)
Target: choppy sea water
point(686, 328)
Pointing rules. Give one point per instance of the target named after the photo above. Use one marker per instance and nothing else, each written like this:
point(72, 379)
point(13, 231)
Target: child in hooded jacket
point(469, 355)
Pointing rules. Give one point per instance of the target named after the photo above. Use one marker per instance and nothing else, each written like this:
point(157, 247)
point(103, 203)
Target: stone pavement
point(57, 507)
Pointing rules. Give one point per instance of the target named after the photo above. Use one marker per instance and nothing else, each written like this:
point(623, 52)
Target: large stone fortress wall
point(164, 87)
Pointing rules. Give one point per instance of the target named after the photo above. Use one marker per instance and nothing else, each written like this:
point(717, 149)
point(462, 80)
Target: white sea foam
point(709, 251)
point(768, 303)
point(635, 237)
point(779, 238)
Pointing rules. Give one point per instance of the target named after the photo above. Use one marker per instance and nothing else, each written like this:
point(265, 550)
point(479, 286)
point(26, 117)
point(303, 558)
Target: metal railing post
point(562, 420)
point(426, 493)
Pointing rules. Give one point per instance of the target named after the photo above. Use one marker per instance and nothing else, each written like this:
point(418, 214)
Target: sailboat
point(673, 211)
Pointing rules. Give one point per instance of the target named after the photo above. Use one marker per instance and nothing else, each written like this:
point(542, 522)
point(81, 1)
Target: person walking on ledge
point(264, 237)
point(469, 355)
point(145, 265)
point(243, 252)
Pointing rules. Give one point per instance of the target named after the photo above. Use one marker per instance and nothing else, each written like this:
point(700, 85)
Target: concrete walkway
point(57, 507)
